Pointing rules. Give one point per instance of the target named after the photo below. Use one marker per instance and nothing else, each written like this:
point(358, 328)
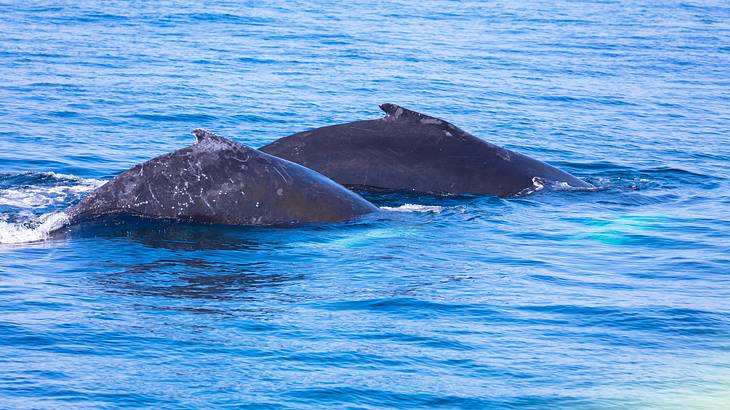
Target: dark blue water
point(613, 299)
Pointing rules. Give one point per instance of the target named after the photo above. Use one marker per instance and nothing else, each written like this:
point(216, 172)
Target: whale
point(409, 151)
point(219, 181)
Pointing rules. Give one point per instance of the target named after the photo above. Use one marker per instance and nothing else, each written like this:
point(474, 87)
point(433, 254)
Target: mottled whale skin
point(407, 150)
point(219, 181)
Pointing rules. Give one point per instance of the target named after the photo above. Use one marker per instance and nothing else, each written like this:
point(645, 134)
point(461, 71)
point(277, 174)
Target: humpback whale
point(407, 150)
point(220, 181)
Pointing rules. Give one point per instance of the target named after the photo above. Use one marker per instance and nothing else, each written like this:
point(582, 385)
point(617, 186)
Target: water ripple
point(611, 298)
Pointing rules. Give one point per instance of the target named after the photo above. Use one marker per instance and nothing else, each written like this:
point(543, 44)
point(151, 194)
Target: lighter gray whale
point(220, 181)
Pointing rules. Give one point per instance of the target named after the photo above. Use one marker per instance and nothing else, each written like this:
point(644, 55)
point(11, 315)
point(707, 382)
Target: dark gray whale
point(220, 181)
point(410, 151)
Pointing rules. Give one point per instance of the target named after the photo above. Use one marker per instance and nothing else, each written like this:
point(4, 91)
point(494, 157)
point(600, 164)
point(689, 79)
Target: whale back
point(217, 180)
point(407, 150)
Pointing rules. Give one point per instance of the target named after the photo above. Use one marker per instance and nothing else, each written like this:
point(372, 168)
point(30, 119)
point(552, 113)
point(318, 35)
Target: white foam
point(32, 231)
point(52, 189)
point(65, 189)
point(414, 208)
point(538, 184)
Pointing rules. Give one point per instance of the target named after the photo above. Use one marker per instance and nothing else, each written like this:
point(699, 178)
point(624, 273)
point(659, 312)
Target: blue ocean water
point(613, 299)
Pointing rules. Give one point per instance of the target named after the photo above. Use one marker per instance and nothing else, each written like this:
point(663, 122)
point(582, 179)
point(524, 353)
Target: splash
point(61, 190)
point(32, 231)
point(414, 208)
point(539, 184)
point(29, 201)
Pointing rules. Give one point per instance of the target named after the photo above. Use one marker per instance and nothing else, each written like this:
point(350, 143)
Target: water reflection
point(191, 278)
point(177, 235)
point(170, 260)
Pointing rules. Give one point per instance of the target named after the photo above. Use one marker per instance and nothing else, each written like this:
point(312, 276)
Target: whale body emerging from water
point(410, 151)
point(220, 181)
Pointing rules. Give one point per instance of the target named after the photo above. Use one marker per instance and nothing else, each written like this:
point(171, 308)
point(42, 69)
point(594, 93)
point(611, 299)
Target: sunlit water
point(613, 299)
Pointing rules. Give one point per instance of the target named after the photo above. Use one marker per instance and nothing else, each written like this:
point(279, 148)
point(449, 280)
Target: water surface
point(613, 299)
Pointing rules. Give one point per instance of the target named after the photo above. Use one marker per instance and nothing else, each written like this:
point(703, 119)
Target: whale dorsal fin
point(396, 112)
point(202, 134)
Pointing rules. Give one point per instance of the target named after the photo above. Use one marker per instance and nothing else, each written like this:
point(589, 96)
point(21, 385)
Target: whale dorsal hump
point(396, 112)
point(210, 139)
point(203, 134)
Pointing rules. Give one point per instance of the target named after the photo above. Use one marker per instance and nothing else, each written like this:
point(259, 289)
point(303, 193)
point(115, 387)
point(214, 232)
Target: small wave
point(30, 195)
point(621, 183)
point(32, 231)
point(414, 208)
point(59, 190)
point(539, 184)
point(629, 179)
point(564, 186)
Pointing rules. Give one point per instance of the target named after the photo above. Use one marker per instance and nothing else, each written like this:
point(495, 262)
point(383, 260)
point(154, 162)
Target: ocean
point(614, 298)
